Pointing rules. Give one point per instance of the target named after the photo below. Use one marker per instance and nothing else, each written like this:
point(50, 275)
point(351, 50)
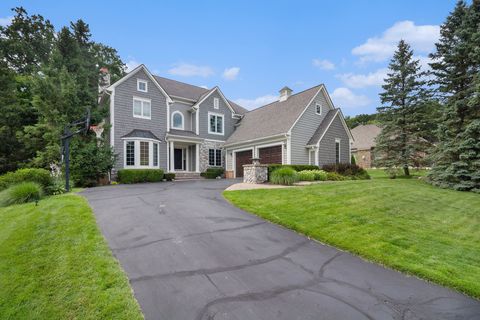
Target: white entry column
point(172, 157)
point(197, 157)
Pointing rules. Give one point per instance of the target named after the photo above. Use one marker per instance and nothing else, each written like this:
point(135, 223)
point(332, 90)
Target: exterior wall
point(207, 106)
point(305, 128)
point(125, 122)
point(326, 152)
point(363, 158)
point(208, 144)
point(187, 115)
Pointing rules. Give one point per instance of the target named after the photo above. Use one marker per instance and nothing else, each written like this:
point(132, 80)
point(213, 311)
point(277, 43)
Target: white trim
point(136, 144)
point(289, 149)
point(317, 160)
point(273, 144)
point(221, 95)
point(112, 119)
point(197, 121)
point(350, 150)
point(223, 123)
point(197, 157)
point(140, 139)
point(214, 140)
point(142, 81)
point(234, 158)
point(281, 135)
point(149, 74)
point(172, 157)
point(339, 141)
point(183, 120)
point(142, 100)
point(168, 116)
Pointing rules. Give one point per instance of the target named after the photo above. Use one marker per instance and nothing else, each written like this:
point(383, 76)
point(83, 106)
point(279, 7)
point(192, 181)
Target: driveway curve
point(189, 254)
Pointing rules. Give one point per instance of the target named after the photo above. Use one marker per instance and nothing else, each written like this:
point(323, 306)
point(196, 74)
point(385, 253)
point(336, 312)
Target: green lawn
point(55, 264)
point(402, 223)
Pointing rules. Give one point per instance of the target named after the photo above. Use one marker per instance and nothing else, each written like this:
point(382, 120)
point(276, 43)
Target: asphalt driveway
point(189, 254)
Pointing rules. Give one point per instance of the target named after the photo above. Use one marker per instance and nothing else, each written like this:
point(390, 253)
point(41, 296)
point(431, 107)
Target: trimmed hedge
point(139, 175)
point(40, 176)
point(350, 170)
point(212, 173)
point(169, 176)
point(296, 167)
point(21, 193)
point(286, 176)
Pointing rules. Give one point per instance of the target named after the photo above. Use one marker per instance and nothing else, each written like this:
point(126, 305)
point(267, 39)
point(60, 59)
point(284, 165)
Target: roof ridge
point(268, 104)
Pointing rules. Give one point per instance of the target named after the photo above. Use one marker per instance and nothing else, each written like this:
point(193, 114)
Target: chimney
point(104, 79)
point(285, 92)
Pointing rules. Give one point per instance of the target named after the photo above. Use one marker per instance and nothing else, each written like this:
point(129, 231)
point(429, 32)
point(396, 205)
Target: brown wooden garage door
point(241, 158)
point(270, 155)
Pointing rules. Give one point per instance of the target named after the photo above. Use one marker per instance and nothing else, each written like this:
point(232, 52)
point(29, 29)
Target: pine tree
point(401, 142)
point(456, 69)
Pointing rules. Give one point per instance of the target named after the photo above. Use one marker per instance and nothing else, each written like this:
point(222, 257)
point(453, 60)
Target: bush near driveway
point(311, 175)
point(21, 193)
point(286, 176)
point(55, 264)
point(349, 170)
point(169, 176)
point(405, 224)
point(212, 173)
point(296, 167)
point(139, 175)
point(40, 176)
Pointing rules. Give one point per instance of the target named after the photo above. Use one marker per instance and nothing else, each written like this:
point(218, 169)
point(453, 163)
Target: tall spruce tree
point(401, 142)
point(456, 68)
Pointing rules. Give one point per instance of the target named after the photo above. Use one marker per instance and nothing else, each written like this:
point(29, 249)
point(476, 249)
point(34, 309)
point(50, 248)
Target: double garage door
point(267, 155)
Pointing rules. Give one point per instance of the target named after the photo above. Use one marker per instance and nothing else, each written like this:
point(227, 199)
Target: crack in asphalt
point(188, 236)
point(204, 271)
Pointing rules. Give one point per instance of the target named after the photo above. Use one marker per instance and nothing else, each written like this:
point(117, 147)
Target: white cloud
point(231, 73)
point(353, 80)
point(345, 98)
point(132, 64)
point(323, 64)
point(257, 102)
point(190, 70)
point(204, 87)
point(421, 38)
point(6, 21)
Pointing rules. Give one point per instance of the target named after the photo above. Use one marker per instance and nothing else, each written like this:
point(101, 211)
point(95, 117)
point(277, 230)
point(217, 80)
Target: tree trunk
point(406, 171)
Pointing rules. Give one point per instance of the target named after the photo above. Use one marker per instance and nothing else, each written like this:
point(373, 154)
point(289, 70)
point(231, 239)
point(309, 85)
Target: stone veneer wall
point(255, 173)
point(204, 153)
point(363, 158)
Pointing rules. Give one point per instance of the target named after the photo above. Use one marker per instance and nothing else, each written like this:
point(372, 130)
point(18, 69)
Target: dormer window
point(142, 85)
point(318, 109)
point(216, 103)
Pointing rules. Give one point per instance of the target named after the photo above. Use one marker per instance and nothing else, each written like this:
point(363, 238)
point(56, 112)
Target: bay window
point(141, 154)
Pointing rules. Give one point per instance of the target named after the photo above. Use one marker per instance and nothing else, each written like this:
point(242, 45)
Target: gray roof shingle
point(183, 133)
point(364, 136)
point(137, 133)
point(272, 119)
point(323, 127)
point(191, 92)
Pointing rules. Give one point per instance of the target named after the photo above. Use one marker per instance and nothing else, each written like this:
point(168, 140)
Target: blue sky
point(251, 49)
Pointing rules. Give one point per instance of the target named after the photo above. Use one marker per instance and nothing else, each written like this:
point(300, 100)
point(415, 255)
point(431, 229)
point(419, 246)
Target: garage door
point(241, 158)
point(270, 155)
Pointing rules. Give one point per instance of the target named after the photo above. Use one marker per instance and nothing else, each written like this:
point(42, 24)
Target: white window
point(337, 151)
point(130, 153)
point(177, 120)
point(215, 123)
point(318, 108)
point(215, 157)
point(142, 108)
point(216, 103)
point(142, 85)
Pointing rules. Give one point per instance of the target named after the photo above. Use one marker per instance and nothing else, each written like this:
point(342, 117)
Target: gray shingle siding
point(326, 152)
point(305, 128)
point(187, 115)
point(206, 107)
point(125, 122)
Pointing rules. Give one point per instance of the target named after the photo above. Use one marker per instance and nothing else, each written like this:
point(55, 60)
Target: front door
point(178, 159)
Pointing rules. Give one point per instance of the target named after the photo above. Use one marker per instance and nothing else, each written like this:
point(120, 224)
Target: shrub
point(353, 160)
point(169, 176)
point(320, 175)
point(296, 167)
point(286, 176)
point(21, 193)
point(40, 176)
point(139, 175)
point(90, 162)
point(212, 173)
point(347, 169)
point(333, 176)
point(306, 175)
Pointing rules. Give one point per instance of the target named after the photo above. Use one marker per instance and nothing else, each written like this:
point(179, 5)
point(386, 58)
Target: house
point(364, 144)
point(157, 122)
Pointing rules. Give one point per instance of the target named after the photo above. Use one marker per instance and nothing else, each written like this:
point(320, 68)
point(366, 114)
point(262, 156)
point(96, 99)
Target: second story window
point(142, 108)
point(142, 85)
point(215, 123)
point(216, 103)
point(177, 120)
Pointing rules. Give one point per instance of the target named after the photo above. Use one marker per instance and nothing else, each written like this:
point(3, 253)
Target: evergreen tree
point(401, 142)
point(456, 68)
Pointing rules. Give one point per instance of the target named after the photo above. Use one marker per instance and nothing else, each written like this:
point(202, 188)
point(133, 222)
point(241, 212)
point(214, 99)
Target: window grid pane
point(146, 109)
point(212, 123)
point(337, 152)
point(144, 153)
point(155, 154)
point(211, 157)
point(137, 107)
point(218, 158)
point(130, 156)
point(219, 124)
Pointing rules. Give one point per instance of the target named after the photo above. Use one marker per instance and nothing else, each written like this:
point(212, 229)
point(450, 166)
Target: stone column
point(255, 173)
